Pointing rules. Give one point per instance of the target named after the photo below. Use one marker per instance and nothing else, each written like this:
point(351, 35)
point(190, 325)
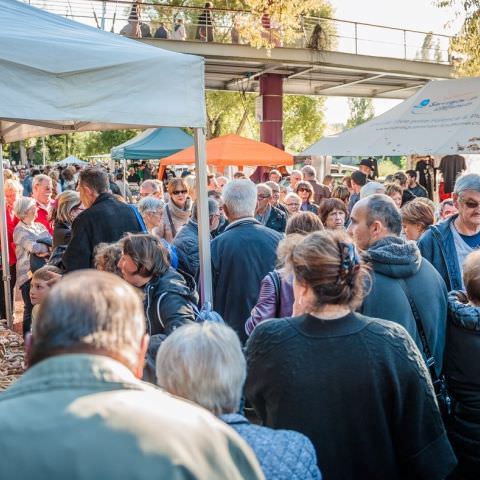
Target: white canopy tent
point(60, 76)
point(440, 119)
point(71, 160)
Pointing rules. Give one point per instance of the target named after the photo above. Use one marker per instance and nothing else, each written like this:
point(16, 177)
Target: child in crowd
point(42, 280)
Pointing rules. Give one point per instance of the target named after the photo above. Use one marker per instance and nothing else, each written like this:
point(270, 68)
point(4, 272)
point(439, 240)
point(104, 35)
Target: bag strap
point(172, 226)
point(139, 218)
point(423, 338)
point(158, 309)
point(277, 285)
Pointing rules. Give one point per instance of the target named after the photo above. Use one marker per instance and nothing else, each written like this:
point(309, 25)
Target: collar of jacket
point(102, 197)
point(462, 314)
point(74, 371)
point(442, 230)
point(234, 419)
point(243, 221)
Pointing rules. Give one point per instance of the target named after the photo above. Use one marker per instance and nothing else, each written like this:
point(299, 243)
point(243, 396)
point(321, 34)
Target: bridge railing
point(144, 19)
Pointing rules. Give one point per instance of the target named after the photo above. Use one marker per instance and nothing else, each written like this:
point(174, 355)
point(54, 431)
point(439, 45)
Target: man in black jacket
point(241, 256)
point(266, 213)
point(104, 220)
point(398, 269)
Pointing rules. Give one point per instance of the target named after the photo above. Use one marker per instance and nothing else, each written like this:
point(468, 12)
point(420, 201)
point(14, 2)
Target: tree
point(427, 49)
point(464, 46)
point(303, 121)
point(361, 110)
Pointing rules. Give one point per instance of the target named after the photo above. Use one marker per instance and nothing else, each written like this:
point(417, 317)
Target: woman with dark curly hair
point(356, 386)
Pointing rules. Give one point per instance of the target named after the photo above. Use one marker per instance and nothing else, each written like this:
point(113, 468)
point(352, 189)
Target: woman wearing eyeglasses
point(177, 211)
point(304, 190)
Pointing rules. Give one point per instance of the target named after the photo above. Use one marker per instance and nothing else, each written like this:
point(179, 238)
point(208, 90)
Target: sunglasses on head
point(178, 192)
point(263, 196)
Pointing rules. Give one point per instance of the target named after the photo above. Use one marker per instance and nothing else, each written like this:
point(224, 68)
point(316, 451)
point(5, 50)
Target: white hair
point(308, 171)
point(90, 309)
point(371, 188)
point(22, 205)
point(240, 198)
point(291, 195)
point(467, 181)
point(11, 184)
point(204, 363)
point(150, 204)
point(155, 185)
point(39, 179)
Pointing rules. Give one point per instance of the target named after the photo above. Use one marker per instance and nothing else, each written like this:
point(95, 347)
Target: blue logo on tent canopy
point(423, 103)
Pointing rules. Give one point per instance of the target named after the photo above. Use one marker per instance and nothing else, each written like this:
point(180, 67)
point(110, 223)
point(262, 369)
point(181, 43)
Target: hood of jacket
point(463, 314)
point(174, 282)
point(394, 257)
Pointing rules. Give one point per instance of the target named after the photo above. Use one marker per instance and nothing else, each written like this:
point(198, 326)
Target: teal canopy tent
point(153, 143)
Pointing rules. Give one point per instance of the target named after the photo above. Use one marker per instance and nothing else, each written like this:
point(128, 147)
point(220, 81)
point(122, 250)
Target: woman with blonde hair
point(352, 384)
point(177, 211)
point(68, 207)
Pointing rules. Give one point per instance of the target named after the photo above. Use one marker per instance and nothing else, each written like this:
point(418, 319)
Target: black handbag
point(444, 399)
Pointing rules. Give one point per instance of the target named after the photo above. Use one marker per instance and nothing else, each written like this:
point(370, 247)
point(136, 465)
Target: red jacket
point(12, 222)
point(42, 217)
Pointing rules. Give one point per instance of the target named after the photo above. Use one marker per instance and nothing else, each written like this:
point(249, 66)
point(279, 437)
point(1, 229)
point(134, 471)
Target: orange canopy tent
point(235, 151)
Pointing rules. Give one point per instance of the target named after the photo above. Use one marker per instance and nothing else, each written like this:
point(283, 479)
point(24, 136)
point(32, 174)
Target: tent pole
point(4, 239)
point(205, 281)
point(125, 179)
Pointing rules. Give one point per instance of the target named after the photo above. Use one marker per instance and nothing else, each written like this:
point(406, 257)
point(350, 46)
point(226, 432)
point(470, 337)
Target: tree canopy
point(361, 110)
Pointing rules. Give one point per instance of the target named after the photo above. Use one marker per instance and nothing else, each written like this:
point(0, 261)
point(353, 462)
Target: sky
point(420, 15)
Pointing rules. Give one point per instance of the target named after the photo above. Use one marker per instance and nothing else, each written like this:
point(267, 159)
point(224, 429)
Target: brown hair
point(348, 180)
point(46, 273)
point(303, 223)
point(341, 192)
point(327, 205)
point(327, 262)
point(176, 183)
point(471, 277)
point(148, 254)
point(418, 212)
point(107, 256)
point(391, 188)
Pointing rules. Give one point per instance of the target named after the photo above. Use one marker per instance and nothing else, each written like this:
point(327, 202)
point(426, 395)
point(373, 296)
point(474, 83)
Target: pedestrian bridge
point(357, 59)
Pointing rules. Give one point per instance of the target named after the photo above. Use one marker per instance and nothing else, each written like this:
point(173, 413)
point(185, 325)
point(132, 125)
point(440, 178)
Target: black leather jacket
point(169, 303)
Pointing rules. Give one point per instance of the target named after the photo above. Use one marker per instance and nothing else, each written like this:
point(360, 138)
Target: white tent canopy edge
point(442, 118)
point(60, 76)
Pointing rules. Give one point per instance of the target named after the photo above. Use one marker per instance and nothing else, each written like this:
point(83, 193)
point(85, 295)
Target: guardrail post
point(404, 44)
point(356, 38)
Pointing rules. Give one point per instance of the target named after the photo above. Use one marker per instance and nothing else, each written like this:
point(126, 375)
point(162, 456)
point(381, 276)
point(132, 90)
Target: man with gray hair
point(186, 241)
point(81, 412)
point(241, 256)
point(42, 190)
point(371, 188)
point(447, 244)
point(319, 191)
point(266, 213)
point(404, 285)
point(152, 188)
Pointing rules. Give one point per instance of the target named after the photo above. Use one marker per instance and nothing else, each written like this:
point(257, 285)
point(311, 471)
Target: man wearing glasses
point(447, 244)
point(266, 213)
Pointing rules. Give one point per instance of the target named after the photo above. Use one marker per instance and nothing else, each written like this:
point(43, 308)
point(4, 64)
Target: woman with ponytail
point(356, 386)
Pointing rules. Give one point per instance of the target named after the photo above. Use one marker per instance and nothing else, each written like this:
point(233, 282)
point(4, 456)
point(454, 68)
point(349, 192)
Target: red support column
point(271, 126)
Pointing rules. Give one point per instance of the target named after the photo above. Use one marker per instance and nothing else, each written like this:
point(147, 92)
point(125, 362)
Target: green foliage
point(464, 46)
point(361, 110)
point(303, 121)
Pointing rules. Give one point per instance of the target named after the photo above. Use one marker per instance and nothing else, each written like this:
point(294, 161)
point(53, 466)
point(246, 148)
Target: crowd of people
point(341, 344)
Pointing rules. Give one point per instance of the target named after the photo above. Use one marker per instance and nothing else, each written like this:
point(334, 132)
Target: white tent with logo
point(442, 118)
point(59, 76)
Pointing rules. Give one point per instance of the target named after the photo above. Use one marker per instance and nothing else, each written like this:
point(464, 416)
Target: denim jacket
point(438, 247)
point(82, 417)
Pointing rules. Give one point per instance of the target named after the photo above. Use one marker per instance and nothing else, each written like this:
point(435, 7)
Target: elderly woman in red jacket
point(12, 190)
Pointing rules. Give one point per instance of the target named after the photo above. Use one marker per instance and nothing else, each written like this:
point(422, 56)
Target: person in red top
point(12, 191)
point(42, 193)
